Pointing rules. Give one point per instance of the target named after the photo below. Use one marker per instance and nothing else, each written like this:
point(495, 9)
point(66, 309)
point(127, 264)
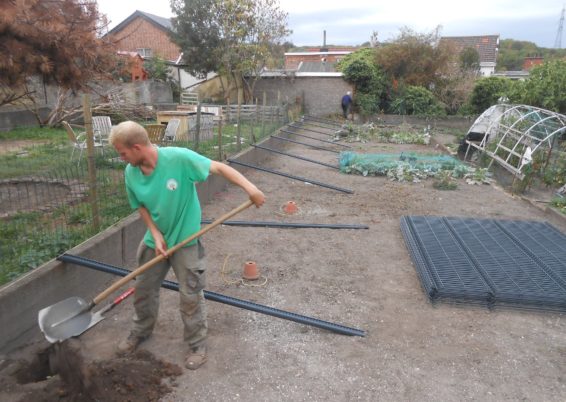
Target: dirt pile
point(60, 373)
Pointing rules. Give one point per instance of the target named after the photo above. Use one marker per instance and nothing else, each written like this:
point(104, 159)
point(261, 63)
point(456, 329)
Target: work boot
point(196, 357)
point(129, 345)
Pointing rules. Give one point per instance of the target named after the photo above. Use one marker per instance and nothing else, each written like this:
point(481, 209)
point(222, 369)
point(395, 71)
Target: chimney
point(324, 48)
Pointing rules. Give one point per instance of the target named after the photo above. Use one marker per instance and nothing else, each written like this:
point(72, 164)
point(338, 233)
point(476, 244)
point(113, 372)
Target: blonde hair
point(129, 133)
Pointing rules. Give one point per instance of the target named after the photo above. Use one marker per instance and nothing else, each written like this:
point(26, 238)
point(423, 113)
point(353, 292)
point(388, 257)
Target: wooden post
point(238, 133)
point(197, 127)
point(278, 105)
point(228, 111)
point(93, 196)
point(252, 135)
point(263, 114)
point(220, 156)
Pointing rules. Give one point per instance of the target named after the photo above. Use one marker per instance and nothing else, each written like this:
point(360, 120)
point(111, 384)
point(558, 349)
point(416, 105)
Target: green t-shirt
point(169, 193)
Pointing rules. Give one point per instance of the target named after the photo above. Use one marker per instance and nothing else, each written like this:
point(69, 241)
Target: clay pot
point(251, 272)
point(290, 207)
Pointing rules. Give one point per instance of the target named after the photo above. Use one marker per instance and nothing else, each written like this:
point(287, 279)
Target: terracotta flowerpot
point(290, 207)
point(251, 272)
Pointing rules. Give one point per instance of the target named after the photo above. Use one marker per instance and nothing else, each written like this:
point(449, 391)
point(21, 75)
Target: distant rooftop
point(486, 45)
point(316, 67)
point(162, 22)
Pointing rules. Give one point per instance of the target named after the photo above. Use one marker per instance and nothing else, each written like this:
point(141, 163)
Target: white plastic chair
point(102, 125)
point(171, 130)
point(79, 141)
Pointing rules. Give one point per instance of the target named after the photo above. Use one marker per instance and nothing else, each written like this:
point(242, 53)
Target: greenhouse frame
point(514, 135)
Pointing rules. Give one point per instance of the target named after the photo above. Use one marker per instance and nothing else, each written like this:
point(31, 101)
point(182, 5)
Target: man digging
point(160, 183)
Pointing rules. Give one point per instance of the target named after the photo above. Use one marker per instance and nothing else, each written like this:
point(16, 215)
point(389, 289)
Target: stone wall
point(320, 96)
point(138, 93)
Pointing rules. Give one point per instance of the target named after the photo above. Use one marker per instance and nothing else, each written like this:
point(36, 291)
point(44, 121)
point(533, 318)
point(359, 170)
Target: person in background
point(160, 184)
point(346, 104)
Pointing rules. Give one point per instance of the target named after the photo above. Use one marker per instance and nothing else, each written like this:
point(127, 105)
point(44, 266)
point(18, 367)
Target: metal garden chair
point(171, 130)
point(102, 125)
point(79, 141)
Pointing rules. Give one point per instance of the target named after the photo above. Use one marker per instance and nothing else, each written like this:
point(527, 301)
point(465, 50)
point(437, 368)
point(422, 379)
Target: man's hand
point(160, 244)
point(257, 197)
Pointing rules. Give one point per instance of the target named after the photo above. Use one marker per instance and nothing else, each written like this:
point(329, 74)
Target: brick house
point(530, 62)
point(487, 47)
point(146, 34)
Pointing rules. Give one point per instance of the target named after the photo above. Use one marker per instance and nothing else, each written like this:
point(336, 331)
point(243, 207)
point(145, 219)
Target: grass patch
point(34, 133)
point(559, 203)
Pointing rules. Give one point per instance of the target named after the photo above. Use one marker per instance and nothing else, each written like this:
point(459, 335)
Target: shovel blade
point(95, 319)
point(64, 319)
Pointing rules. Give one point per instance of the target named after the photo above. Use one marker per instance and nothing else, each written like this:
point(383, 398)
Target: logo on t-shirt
point(172, 184)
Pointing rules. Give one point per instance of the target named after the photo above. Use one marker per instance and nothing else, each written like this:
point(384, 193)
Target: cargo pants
point(189, 266)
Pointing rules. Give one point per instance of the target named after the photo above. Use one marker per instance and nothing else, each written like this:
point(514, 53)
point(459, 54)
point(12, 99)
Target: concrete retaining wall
point(135, 93)
point(321, 96)
point(21, 299)
point(10, 119)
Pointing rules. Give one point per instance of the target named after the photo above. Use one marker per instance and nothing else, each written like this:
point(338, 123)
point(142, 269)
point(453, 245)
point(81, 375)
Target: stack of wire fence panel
point(518, 264)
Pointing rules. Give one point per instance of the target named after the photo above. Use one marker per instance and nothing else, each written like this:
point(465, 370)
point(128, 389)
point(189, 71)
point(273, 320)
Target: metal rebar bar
point(321, 120)
point(319, 125)
point(296, 156)
point(289, 225)
point(290, 176)
point(311, 130)
point(304, 143)
point(217, 297)
point(314, 138)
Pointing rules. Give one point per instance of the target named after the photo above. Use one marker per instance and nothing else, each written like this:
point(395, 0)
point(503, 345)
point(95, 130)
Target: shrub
point(418, 101)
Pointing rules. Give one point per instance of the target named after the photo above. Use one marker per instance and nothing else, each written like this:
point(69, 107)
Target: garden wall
point(320, 96)
point(10, 119)
point(132, 93)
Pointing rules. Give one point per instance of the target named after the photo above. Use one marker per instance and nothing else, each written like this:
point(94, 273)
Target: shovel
point(72, 316)
point(99, 315)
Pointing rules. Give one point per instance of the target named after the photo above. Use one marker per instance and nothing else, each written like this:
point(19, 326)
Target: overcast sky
point(352, 22)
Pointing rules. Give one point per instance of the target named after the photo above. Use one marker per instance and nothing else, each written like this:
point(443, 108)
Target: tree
point(417, 101)
point(370, 83)
point(197, 32)
point(230, 37)
point(546, 86)
point(454, 89)
point(454, 86)
point(512, 54)
point(470, 59)
point(55, 40)
point(415, 59)
point(487, 91)
point(157, 69)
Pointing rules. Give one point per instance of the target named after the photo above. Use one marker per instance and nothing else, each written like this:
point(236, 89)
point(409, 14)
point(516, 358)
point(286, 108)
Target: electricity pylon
point(558, 40)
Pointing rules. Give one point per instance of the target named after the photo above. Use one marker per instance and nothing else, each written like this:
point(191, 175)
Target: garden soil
point(363, 279)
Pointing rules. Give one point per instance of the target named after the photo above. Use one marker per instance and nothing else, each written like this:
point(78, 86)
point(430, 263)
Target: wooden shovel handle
point(118, 284)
